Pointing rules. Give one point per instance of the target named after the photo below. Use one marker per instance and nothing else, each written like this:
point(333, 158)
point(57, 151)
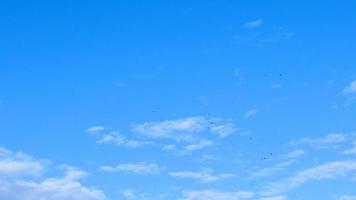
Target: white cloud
point(73, 173)
point(351, 88)
point(215, 195)
point(250, 113)
point(329, 140)
point(331, 170)
point(253, 24)
point(200, 145)
point(19, 164)
point(137, 168)
point(169, 147)
point(135, 195)
point(223, 130)
point(95, 129)
point(274, 198)
point(172, 128)
point(188, 134)
point(205, 175)
point(117, 138)
point(185, 129)
point(23, 186)
point(350, 101)
point(295, 154)
point(129, 194)
point(347, 198)
point(264, 172)
point(351, 151)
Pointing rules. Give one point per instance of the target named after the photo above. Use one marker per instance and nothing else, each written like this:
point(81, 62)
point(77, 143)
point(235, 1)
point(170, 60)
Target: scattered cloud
point(185, 129)
point(188, 134)
point(117, 138)
point(295, 154)
point(24, 182)
point(351, 151)
point(351, 88)
point(137, 168)
point(135, 195)
point(19, 164)
point(169, 147)
point(347, 198)
point(322, 142)
point(129, 194)
point(215, 195)
point(350, 101)
point(172, 128)
point(269, 171)
point(199, 145)
point(250, 113)
point(253, 24)
point(205, 175)
point(223, 130)
point(331, 170)
point(274, 198)
point(95, 129)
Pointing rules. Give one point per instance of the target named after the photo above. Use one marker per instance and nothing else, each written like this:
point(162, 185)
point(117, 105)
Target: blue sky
point(160, 100)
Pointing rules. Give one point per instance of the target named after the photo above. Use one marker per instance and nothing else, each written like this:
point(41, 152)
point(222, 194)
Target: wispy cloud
point(199, 145)
point(274, 198)
point(223, 130)
point(295, 154)
point(351, 151)
point(117, 138)
point(172, 128)
point(130, 194)
point(184, 129)
point(187, 134)
point(345, 197)
point(137, 168)
point(250, 113)
point(253, 24)
point(216, 195)
point(205, 175)
point(321, 142)
point(351, 88)
point(95, 129)
point(169, 147)
point(331, 170)
point(264, 172)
